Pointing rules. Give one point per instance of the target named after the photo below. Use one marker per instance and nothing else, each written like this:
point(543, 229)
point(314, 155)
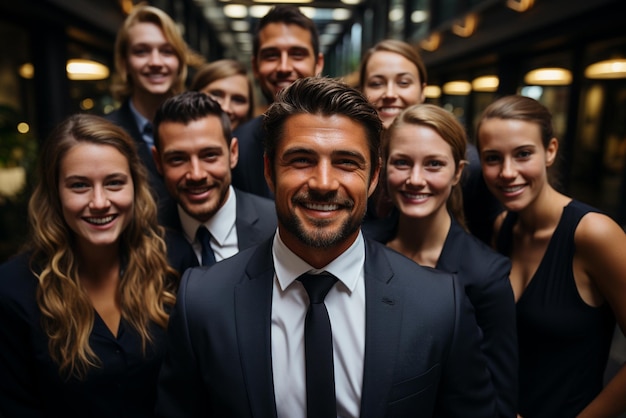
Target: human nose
point(195, 173)
point(323, 179)
point(508, 169)
point(415, 177)
point(284, 64)
point(390, 90)
point(155, 57)
point(99, 199)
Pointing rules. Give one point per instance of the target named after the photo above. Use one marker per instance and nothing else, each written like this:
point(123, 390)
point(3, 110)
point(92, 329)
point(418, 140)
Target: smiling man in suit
point(403, 340)
point(195, 153)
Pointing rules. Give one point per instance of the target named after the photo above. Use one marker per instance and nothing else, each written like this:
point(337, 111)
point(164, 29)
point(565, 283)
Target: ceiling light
point(27, 71)
point(283, 1)
point(549, 77)
point(341, 14)
point(465, 27)
point(240, 26)
point(457, 88)
point(432, 92)
point(419, 16)
point(519, 5)
point(259, 11)
point(431, 43)
point(614, 68)
point(309, 12)
point(81, 69)
point(352, 2)
point(235, 11)
point(488, 83)
point(396, 14)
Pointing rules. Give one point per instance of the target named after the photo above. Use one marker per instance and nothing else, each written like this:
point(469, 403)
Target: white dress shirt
point(221, 226)
point(345, 303)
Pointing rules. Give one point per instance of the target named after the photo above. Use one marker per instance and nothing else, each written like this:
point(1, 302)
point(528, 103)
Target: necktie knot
point(317, 285)
point(204, 237)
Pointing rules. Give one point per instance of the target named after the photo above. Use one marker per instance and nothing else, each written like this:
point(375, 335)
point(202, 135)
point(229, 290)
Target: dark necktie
point(204, 236)
point(318, 348)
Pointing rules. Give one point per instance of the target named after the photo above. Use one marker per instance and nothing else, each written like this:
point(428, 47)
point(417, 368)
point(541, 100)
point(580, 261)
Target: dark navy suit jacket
point(248, 175)
point(124, 118)
point(422, 344)
point(255, 222)
point(485, 275)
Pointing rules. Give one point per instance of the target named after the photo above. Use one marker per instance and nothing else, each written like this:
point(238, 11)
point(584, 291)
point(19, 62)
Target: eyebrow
point(336, 153)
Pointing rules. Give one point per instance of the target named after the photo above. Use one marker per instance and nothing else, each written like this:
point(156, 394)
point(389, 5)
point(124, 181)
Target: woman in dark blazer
point(423, 155)
point(83, 312)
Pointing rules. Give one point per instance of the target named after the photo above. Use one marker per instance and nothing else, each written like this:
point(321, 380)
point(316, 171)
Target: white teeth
point(391, 110)
point(100, 221)
point(415, 196)
point(321, 207)
point(512, 189)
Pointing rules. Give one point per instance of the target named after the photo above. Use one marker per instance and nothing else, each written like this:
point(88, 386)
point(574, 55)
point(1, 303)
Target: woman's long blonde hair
point(147, 283)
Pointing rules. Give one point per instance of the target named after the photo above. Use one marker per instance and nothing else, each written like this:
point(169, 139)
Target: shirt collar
point(220, 223)
point(139, 118)
point(347, 267)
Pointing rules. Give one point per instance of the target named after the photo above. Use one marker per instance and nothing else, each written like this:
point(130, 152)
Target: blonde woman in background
point(83, 311)
point(151, 60)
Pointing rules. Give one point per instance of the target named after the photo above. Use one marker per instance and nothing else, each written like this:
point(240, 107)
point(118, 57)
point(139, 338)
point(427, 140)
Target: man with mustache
point(402, 340)
point(195, 153)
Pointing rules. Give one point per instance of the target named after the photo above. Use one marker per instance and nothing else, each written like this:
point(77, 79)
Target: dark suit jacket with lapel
point(485, 275)
point(248, 174)
point(422, 344)
point(255, 222)
point(124, 118)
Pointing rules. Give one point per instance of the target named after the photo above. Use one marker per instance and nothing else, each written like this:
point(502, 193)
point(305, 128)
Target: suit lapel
point(253, 307)
point(382, 331)
point(452, 249)
point(245, 220)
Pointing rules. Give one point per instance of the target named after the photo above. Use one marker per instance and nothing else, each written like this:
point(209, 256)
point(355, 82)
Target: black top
point(563, 342)
point(123, 386)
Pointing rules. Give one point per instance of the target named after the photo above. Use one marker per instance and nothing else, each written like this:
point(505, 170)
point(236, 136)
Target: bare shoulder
point(597, 230)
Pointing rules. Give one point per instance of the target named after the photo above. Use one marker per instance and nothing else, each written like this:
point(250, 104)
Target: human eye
point(240, 99)
point(491, 159)
point(400, 163)
point(175, 160)
point(405, 82)
point(524, 154)
point(270, 55)
point(140, 50)
point(78, 186)
point(216, 94)
point(435, 164)
point(298, 54)
point(116, 183)
point(375, 83)
point(167, 50)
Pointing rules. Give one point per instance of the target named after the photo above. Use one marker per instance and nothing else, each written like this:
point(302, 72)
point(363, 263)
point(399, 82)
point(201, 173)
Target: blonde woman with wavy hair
point(83, 310)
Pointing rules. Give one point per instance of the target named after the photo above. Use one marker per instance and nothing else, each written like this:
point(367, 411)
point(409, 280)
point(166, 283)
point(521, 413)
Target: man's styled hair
point(187, 107)
point(289, 15)
point(326, 97)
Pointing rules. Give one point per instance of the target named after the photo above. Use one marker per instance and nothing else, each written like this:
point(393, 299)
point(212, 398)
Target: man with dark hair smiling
point(318, 321)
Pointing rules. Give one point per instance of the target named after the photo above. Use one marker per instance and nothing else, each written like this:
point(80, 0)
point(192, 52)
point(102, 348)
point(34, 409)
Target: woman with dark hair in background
point(568, 268)
point(83, 311)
